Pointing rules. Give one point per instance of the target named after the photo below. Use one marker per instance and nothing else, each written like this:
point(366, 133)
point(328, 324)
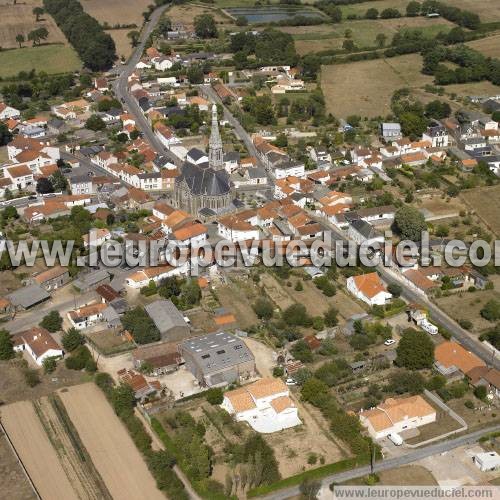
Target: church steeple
point(215, 152)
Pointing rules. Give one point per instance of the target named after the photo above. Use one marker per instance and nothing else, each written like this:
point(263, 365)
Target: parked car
point(395, 438)
point(389, 342)
point(290, 381)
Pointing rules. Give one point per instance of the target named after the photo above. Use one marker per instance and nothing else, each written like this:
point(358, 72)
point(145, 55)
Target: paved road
point(438, 315)
point(391, 463)
point(121, 90)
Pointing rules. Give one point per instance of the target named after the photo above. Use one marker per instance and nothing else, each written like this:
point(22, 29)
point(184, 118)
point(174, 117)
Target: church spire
point(215, 152)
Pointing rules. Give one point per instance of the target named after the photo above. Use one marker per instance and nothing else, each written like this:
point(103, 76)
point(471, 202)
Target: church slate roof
point(204, 180)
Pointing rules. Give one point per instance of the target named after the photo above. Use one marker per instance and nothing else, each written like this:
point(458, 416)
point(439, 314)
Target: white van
point(429, 327)
point(395, 438)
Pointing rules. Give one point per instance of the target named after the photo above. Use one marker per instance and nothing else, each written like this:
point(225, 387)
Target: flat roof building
point(218, 359)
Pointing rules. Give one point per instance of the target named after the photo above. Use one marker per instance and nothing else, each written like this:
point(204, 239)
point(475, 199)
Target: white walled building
point(265, 405)
point(397, 415)
point(368, 288)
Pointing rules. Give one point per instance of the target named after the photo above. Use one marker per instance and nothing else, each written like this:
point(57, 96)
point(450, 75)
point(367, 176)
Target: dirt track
point(110, 447)
point(39, 457)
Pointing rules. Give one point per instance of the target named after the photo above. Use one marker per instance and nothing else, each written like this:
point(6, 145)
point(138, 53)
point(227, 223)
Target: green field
point(331, 36)
point(49, 58)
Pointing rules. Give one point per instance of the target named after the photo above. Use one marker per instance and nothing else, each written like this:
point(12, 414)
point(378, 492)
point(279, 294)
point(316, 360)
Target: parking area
point(455, 468)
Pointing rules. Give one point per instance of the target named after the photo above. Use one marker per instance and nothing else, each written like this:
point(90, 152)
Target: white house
point(194, 235)
point(196, 156)
point(265, 404)
point(397, 415)
point(234, 228)
point(437, 135)
point(38, 343)
point(162, 63)
point(21, 177)
point(86, 316)
point(487, 461)
point(7, 112)
point(165, 135)
point(157, 273)
point(289, 168)
point(369, 288)
point(96, 237)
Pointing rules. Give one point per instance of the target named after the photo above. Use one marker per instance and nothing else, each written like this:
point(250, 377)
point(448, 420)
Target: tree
point(52, 321)
point(215, 396)
point(6, 345)
point(309, 489)
point(394, 289)
point(134, 37)
point(20, 39)
point(123, 399)
point(296, 315)
point(405, 381)
point(331, 317)
point(38, 11)
point(33, 37)
point(409, 223)
point(481, 392)
point(95, 123)
point(437, 109)
point(72, 339)
point(263, 308)
point(141, 326)
point(381, 39)
point(44, 186)
point(5, 134)
point(204, 26)
point(371, 13)
point(491, 310)
point(58, 181)
point(415, 350)
point(302, 351)
point(195, 74)
point(413, 9)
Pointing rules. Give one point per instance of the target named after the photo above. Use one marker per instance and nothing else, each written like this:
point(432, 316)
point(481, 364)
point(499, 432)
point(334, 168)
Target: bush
point(215, 396)
point(278, 371)
point(31, 377)
point(263, 308)
point(480, 392)
point(72, 339)
point(49, 364)
point(302, 351)
point(79, 358)
point(469, 404)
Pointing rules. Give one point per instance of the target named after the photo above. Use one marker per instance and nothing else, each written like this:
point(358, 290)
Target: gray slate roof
point(165, 315)
point(28, 296)
point(217, 351)
point(204, 180)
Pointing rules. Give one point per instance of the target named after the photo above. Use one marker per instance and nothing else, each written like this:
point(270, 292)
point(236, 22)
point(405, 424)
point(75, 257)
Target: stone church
point(205, 185)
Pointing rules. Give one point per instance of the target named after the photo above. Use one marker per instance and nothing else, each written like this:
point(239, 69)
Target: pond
point(272, 14)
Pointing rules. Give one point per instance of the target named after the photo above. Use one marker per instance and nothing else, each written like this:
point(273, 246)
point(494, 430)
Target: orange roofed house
point(265, 404)
point(369, 288)
point(451, 359)
point(397, 415)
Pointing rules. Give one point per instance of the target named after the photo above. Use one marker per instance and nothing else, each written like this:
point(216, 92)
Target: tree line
point(473, 66)
point(94, 46)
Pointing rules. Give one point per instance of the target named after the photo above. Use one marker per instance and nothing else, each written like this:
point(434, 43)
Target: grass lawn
point(364, 32)
point(49, 58)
